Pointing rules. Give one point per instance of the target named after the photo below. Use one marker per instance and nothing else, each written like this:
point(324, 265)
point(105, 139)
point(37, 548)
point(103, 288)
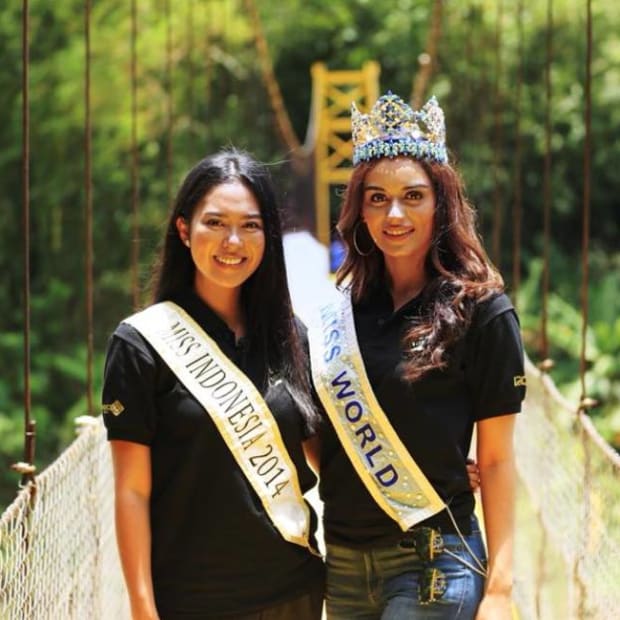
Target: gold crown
point(393, 128)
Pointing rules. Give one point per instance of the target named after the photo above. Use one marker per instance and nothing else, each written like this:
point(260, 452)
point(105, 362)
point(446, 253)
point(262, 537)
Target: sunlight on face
point(399, 207)
point(226, 237)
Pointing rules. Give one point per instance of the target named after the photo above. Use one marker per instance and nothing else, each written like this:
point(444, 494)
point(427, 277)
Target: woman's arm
point(132, 485)
point(497, 483)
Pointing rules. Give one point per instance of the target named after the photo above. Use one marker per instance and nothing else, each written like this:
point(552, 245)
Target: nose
point(232, 237)
point(396, 210)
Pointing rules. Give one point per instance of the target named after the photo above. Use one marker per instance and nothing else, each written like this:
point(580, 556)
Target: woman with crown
point(423, 348)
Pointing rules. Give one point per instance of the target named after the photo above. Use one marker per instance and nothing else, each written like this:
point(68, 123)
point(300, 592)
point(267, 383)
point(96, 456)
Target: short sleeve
point(128, 402)
point(494, 368)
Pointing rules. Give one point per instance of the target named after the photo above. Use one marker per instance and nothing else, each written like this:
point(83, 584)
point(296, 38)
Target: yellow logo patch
point(520, 381)
point(116, 408)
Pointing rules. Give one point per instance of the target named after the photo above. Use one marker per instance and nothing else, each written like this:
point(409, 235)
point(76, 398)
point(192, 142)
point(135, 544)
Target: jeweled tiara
point(393, 128)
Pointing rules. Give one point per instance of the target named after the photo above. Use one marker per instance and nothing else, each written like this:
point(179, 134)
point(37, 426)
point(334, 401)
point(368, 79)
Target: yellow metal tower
point(333, 92)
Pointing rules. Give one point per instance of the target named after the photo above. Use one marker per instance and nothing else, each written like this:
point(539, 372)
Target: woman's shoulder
point(490, 307)
point(126, 339)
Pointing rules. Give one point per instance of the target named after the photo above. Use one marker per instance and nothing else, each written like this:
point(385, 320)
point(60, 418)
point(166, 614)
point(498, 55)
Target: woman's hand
point(473, 473)
point(495, 607)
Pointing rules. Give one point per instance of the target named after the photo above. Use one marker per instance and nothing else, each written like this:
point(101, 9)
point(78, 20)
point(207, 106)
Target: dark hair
point(460, 273)
point(270, 324)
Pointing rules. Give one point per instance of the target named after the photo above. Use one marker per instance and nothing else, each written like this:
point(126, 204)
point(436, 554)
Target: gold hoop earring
point(356, 246)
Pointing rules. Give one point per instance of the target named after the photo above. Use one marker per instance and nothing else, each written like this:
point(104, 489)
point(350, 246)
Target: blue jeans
point(383, 583)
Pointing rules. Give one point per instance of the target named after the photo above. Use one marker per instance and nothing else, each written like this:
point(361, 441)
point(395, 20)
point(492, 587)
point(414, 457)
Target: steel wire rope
point(169, 102)
point(498, 139)
point(517, 206)
point(135, 162)
point(585, 402)
point(191, 69)
point(26, 468)
point(546, 362)
point(208, 67)
point(586, 209)
point(88, 207)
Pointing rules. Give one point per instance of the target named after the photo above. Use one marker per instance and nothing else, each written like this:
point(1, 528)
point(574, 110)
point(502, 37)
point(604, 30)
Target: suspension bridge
point(58, 555)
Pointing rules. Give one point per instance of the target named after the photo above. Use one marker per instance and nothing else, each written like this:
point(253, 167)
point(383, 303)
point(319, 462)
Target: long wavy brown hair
point(459, 271)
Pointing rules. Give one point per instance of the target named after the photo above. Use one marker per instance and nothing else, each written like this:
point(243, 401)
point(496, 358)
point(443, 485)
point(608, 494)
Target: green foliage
point(218, 98)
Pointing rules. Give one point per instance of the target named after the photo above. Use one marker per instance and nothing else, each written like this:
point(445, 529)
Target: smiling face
point(398, 209)
point(225, 236)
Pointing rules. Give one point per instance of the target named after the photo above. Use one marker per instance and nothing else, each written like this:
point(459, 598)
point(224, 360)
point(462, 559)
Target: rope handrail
point(568, 526)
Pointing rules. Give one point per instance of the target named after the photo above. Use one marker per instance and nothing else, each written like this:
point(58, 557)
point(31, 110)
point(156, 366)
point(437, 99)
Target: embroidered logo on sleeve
point(116, 408)
point(520, 381)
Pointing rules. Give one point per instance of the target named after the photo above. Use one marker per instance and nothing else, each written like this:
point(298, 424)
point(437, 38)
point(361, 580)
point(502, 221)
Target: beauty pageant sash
point(378, 455)
point(238, 410)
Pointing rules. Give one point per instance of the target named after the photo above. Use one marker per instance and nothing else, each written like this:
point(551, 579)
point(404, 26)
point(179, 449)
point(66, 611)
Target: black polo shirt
point(434, 416)
point(215, 551)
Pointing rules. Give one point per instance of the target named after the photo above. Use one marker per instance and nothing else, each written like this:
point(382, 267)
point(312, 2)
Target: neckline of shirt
point(207, 318)
point(379, 302)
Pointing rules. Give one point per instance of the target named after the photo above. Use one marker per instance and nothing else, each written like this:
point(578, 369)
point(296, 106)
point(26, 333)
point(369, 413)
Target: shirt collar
point(378, 301)
point(203, 314)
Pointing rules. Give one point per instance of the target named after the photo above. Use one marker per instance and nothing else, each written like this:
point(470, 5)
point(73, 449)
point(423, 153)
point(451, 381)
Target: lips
point(396, 233)
point(229, 261)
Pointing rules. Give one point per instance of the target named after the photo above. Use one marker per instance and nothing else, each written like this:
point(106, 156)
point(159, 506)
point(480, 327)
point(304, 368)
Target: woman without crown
point(423, 346)
point(206, 405)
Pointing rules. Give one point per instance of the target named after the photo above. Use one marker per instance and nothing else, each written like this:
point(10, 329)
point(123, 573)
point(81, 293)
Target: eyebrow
point(416, 186)
point(252, 216)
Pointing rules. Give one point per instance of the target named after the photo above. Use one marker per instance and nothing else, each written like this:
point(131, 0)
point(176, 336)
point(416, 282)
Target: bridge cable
point(208, 69)
point(517, 206)
point(585, 242)
point(497, 143)
point(135, 163)
point(88, 207)
point(475, 35)
point(587, 174)
point(546, 362)
point(585, 402)
point(191, 69)
point(169, 104)
point(26, 468)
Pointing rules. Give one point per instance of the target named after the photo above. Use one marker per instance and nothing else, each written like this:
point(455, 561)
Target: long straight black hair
point(271, 329)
